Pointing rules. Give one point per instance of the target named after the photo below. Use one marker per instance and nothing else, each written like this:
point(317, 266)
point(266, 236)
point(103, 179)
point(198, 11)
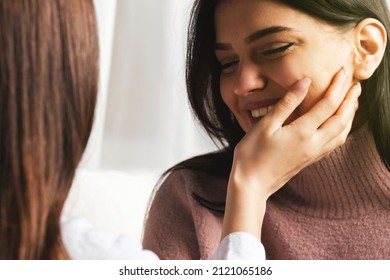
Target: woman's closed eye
point(270, 51)
point(228, 67)
point(277, 51)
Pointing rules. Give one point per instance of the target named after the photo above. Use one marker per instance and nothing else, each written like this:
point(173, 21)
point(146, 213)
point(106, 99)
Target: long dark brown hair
point(203, 75)
point(48, 87)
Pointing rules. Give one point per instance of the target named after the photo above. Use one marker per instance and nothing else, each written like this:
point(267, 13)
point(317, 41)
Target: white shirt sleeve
point(240, 246)
point(83, 241)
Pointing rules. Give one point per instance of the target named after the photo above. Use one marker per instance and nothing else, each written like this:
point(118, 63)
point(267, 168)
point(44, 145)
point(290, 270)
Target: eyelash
point(278, 50)
point(227, 65)
point(265, 53)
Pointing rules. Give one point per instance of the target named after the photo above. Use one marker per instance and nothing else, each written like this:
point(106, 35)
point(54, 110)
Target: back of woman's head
point(48, 88)
point(203, 69)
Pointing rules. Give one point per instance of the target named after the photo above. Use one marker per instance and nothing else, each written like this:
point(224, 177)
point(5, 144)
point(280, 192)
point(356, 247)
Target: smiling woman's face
point(264, 47)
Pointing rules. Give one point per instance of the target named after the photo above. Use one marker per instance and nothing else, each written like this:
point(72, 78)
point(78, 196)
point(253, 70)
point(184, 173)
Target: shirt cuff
point(240, 246)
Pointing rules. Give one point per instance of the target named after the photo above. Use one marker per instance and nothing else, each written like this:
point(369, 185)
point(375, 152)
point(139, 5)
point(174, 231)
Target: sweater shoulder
point(195, 183)
point(177, 224)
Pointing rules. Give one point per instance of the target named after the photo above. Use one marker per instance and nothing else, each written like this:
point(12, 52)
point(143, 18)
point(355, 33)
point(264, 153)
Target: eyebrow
point(265, 32)
point(255, 36)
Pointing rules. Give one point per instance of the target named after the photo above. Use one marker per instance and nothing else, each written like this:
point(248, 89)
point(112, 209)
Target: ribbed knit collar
point(351, 181)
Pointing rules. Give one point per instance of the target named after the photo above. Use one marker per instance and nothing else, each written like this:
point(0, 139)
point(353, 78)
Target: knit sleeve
point(169, 229)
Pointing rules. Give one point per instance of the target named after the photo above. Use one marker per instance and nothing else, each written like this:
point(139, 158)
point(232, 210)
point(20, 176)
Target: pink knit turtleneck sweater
point(337, 208)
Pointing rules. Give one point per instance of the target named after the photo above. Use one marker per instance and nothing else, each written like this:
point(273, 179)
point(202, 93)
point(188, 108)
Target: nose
point(249, 79)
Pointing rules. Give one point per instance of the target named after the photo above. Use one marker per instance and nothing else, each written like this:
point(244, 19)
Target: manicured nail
point(301, 85)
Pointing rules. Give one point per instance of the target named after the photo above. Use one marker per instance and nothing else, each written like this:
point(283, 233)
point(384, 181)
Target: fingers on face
point(343, 118)
point(331, 113)
point(286, 106)
point(329, 104)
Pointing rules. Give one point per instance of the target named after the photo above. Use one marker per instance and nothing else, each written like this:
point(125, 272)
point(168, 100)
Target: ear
point(370, 45)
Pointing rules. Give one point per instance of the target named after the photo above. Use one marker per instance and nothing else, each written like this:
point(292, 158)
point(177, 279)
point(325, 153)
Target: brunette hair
point(48, 89)
point(203, 74)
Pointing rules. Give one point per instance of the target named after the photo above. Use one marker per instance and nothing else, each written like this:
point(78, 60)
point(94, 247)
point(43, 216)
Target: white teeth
point(261, 112)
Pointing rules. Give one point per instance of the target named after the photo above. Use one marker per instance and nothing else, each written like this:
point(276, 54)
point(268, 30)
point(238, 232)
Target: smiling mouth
point(261, 112)
point(256, 115)
point(258, 110)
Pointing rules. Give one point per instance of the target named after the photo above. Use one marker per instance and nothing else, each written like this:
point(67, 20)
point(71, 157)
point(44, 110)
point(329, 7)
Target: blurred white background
point(143, 124)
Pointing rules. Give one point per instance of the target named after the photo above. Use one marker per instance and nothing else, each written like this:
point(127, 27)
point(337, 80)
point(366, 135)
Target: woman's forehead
point(259, 11)
point(244, 17)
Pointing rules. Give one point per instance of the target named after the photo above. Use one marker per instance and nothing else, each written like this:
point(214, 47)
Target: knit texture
point(177, 226)
point(337, 208)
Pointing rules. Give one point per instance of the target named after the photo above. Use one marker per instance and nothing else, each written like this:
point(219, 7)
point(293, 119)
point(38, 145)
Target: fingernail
point(301, 85)
point(358, 88)
point(344, 73)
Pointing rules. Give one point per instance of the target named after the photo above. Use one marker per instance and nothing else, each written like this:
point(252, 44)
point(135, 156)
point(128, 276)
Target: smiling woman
point(261, 56)
point(257, 69)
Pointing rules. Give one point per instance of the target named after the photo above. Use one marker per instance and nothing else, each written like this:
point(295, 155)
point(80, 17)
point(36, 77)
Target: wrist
point(245, 208)
point(251, 186)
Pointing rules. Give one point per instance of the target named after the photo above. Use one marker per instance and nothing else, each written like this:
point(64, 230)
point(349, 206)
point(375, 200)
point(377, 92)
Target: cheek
point(313, 96)
point(323, 75)
point(227, 94)
point(232, 102)
point(285, 72)
point(320, 84)
point(289, 71)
